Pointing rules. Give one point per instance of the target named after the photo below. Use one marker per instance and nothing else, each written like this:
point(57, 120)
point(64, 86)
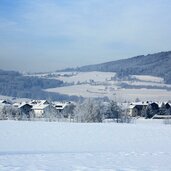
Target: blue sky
point(46, 35)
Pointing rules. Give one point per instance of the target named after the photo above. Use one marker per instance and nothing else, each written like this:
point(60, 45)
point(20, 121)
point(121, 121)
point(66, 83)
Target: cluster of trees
point(11, 113)
point(88, 110)
point(167, 77)
point(16, 85)
point(129, 86)
point(91, 110)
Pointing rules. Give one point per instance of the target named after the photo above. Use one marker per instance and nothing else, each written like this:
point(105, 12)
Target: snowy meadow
point(107, 84)
point(51, 146)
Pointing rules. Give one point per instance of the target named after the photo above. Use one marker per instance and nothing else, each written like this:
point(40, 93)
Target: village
point(33, 109)
point(91, 110)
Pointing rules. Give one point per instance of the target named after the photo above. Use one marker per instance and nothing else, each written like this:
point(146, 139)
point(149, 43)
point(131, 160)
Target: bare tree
point(89, 111)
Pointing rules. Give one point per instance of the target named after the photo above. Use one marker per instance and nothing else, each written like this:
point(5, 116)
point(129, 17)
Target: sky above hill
point(46, 35)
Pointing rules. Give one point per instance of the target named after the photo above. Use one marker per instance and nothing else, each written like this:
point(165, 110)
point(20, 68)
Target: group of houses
point(156, 110)
point(38, 108)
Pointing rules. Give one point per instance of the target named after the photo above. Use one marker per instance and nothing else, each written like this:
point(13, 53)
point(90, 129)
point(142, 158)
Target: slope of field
point(112, 92)
point(42, 146)
point(75, 77)
point(104, 84)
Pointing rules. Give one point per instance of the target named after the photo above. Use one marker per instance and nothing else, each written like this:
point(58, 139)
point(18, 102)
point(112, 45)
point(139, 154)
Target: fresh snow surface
point(85, 90)
point(53, 146)
point(85, 76)
point(149, 78)
point(114, 93)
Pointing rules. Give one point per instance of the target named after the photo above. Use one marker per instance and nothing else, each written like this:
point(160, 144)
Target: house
point(24, 108)
point(60, 106)
point(66, 108)
point(135, 109)
point(154, 106)
point(42, 110)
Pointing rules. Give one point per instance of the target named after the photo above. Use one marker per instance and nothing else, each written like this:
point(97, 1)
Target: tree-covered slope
point(16, 85)
point(158, 64)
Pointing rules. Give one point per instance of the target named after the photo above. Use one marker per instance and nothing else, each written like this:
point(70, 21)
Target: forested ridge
point(14, 84)
point(158, 64)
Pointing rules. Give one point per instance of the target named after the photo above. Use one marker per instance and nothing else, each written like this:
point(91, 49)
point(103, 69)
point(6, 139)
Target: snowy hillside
point(45, 146)
point(75, 77)
point(101, 84)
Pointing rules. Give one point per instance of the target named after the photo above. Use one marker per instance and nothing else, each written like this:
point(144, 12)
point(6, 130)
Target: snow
point(149, 78)
point(85, 90)
point(103, 86)
point(114, 92)
point(75, 77)
point(49, 146)
point(85, 76)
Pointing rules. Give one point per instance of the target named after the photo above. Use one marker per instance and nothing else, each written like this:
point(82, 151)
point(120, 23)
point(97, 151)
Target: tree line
point(14, 84)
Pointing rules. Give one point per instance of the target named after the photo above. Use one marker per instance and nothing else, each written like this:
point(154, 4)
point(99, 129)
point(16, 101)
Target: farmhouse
point(150, 109)
point(66, 108)
point(154, 106)
point(136, 108)
point(41, 110)
point(25, 108)
point(60, 106)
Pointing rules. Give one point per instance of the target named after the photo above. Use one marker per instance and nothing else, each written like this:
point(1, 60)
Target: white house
point(60, 105)
point(42, 110)
point(66, 109)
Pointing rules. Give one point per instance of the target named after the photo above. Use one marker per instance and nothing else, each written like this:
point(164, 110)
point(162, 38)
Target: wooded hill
point(14, 84)
point(158, 64)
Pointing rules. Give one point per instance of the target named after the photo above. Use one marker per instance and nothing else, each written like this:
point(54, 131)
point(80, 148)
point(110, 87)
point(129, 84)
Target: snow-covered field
point(53, 146)
point(85, 90)
point(149, 78)
point(114, 93)
point(87, 76)
point(75, 77)
point(100, 84)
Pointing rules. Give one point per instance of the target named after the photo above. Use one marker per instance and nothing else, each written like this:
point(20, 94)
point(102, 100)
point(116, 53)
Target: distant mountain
point(158, 64)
